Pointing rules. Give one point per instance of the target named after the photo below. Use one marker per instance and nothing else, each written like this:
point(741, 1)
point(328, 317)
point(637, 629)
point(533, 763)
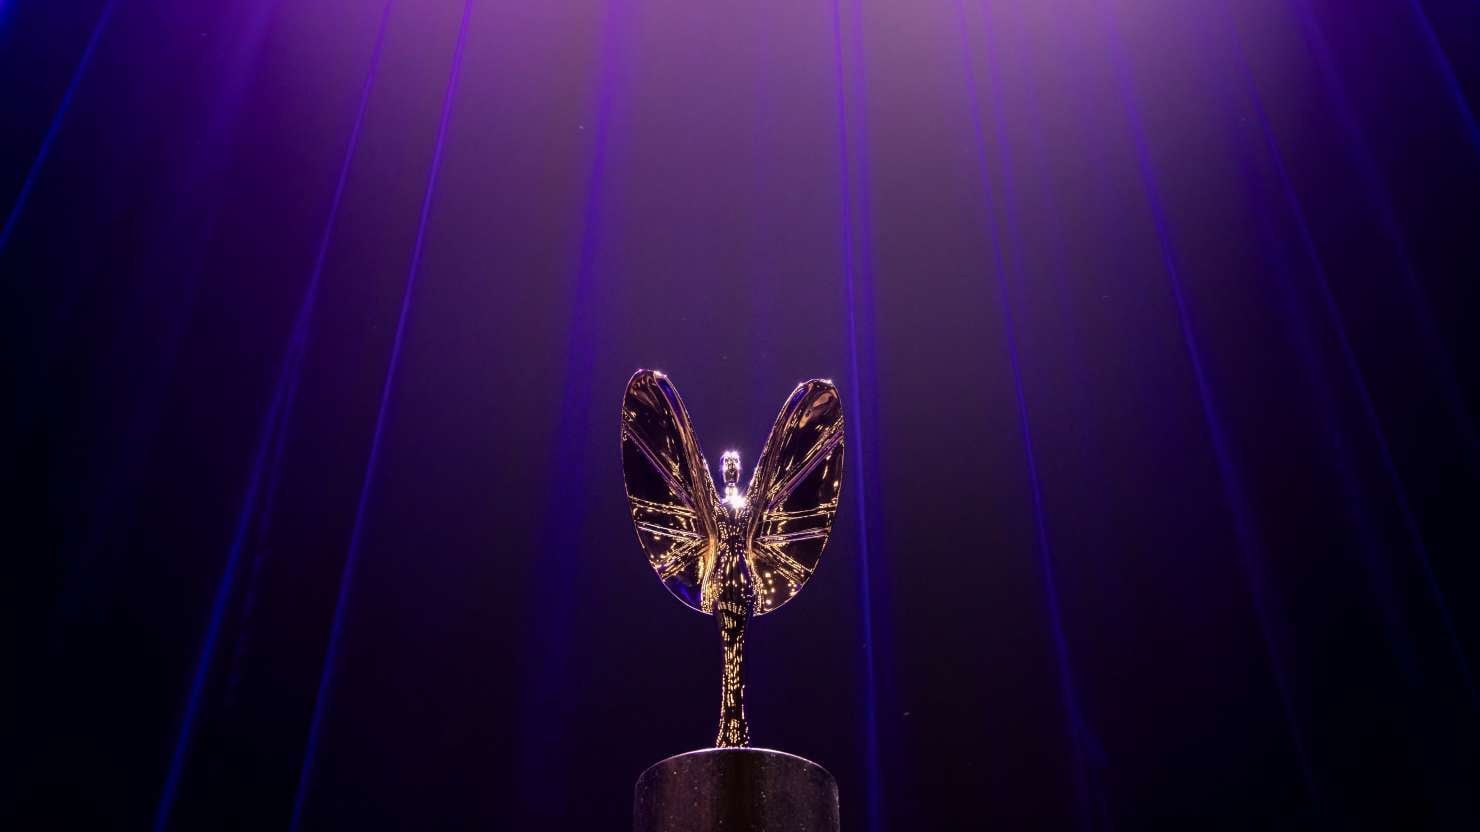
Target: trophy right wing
point(669, 488)
point(794, 491)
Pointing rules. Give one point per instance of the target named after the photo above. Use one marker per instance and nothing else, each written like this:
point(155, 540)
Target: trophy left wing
point(793, 493)
point(669, 488)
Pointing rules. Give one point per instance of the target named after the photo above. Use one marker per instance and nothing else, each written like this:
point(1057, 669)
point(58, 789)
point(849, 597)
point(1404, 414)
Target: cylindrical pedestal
point(736, 790)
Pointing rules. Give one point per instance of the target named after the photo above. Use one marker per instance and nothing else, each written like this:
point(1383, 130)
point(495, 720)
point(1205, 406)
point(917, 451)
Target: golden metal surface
point(733, 556)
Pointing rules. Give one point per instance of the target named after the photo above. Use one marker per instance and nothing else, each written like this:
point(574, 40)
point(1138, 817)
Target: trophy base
point(735, 790)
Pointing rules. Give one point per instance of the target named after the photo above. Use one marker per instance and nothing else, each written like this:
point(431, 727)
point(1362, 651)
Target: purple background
point(1155, 323)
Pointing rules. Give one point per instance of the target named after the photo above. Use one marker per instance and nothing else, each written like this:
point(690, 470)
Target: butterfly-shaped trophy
point(739, 554)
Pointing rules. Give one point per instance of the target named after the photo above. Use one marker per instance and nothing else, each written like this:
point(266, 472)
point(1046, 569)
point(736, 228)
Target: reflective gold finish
point(733, 556)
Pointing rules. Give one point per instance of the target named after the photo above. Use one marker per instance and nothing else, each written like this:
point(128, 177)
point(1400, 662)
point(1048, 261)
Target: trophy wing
point(669, 488)
point(793, 493)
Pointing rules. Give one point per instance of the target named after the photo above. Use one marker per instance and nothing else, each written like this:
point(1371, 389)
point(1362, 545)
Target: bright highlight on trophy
point(741, 554)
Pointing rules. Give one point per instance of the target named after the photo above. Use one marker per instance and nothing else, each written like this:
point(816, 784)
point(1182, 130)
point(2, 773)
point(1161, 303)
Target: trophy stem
point(734, 731)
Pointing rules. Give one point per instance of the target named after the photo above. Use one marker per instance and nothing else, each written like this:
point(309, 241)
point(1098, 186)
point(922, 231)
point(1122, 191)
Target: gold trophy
point(734, 555)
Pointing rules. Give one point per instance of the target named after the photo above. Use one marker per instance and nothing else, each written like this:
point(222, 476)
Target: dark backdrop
point(1154, 323)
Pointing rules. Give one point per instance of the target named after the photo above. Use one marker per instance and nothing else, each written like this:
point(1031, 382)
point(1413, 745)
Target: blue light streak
point(1238, 504)
point(56, 124)
point(273, 428)
point(857, 268)
point(346, 577)
point(1042, 548)
point(1353, 368)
